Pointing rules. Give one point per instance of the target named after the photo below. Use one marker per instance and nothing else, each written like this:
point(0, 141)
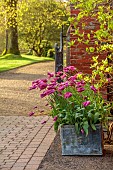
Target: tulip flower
point(55, 118)
point(43, 94)
point(86, 103)
point(42, 85)
point(31, 113)
point(50, 75)
point(93, 88)
point(67, 95)
point(80, 89)
point(43, 122)
point(82, 131)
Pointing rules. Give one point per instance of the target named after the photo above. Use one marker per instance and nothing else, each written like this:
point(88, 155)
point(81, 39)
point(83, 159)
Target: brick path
point(24, 141)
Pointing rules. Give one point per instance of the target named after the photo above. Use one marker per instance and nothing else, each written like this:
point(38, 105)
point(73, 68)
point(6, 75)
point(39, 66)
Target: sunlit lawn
point(11, 61)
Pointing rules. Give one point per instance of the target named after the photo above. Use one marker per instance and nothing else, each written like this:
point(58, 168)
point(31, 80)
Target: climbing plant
point(101, 13)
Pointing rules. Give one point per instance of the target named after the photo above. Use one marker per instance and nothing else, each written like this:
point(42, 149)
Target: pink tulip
point(43, 94)
point(42, 85)
point(33, 87)
point(72, 78)
point(34, 107)
point(86, 103)
point(55, 118)
point(82, 131)
point(31, 113)
point(67, 95)
point(50, 75)
point(69, 68)
point(60, 88)
point(63, 76)
point(43, 122)
point(50, 91)
point(41, 111)
point(80, 89)
point(93, 88)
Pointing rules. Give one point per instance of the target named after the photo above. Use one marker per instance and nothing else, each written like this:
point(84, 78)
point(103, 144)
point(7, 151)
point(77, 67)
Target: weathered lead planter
point(80, 144)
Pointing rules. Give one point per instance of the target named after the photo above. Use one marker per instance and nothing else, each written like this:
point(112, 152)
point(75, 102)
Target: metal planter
point(80, 144)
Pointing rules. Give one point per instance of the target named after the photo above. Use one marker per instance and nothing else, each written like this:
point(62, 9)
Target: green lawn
point(11, 61)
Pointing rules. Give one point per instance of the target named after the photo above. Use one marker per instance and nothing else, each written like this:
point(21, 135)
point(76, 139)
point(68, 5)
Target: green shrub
point(51, 53)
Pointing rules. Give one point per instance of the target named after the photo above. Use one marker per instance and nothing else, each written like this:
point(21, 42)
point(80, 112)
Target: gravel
point(15, 97)
point(54, 160)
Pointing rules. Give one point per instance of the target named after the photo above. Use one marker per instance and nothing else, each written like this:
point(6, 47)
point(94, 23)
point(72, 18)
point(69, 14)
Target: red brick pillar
point(79, 57)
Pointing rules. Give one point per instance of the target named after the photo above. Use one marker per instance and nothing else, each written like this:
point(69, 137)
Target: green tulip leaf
point(93, 126)
point(85, 127)
point(76, 127)
point(90, 115)
point(96, 116)
point(56, 124)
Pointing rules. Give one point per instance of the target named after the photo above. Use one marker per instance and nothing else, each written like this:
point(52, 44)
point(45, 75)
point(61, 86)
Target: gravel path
point(54, 160)
point(15, 98)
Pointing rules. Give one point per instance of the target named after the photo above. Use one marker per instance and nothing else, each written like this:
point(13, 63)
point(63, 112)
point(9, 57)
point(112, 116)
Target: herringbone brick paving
point(24, 141)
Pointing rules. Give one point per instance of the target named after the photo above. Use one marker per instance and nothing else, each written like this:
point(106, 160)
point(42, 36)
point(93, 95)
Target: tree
point(2, 26)
point(9, 12)
point(36, 20)
point(41, 20)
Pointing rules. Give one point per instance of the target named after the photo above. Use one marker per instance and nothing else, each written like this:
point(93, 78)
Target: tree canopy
point(34, 21)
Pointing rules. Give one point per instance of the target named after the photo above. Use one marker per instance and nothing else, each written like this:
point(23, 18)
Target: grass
point(11, 61)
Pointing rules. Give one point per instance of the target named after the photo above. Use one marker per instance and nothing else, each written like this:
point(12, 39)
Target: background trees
point(41, 24)
point(37, 23)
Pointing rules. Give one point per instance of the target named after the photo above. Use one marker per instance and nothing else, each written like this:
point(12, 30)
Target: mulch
point(54, 160)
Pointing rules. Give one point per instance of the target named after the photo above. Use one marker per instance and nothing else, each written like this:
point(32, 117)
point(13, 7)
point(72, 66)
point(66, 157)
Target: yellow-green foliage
point(102, 11)
point(37, 20)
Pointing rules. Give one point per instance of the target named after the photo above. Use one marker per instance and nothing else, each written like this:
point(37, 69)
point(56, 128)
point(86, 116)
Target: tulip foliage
point(74, 101)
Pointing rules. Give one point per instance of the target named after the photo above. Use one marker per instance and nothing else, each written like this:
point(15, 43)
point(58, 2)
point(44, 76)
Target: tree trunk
point(36, 52)
point(6, 43)
point(13, 38)
point(6, 46)
point(12, 27)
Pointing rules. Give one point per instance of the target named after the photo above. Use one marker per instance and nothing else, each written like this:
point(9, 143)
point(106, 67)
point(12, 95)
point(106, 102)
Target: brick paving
point(24, 141)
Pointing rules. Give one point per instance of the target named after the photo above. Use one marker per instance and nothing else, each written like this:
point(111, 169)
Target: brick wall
point(78, 55)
